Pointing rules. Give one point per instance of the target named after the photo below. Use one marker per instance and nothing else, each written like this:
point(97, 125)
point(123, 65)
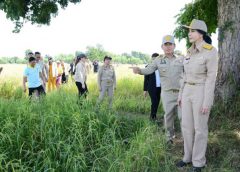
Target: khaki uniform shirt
point(107, 75)
point(200, 68)
point(171, 71)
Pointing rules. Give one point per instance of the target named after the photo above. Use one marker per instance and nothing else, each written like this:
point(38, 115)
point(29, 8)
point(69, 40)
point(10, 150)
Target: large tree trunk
point(228, 79)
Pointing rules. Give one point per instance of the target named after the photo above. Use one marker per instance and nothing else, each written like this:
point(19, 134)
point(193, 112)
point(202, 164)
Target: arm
point(151, 68)
point(114, 79)
point(42, 77)
point(145, 84)
point(146, 71)
point(182, 84)
point(212, 67)
point(99, 78)
point(24, 83)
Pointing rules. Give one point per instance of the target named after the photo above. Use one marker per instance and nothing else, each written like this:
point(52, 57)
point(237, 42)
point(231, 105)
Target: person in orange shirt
point(52, 74)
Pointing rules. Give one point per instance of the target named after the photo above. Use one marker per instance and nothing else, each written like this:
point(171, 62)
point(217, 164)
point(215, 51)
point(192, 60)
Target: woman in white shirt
point(81, 75)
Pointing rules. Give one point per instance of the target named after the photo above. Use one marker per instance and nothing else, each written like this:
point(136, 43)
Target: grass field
point(56, 134)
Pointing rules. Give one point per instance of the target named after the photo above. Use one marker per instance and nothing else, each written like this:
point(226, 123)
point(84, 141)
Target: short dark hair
point(37, 53)
point(31, 59)
point(155, 55)
point(107, 57)
point(30, 53)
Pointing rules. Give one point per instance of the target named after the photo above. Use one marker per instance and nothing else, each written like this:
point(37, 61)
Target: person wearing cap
point(81, 75)
point(170, 68)
point(152, 86)
point(106, 80)
point(52, 74)
point(196, 94)
point(33, 75)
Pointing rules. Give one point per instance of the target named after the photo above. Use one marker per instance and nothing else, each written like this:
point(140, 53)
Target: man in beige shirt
point(171, 70)
point(106, 80)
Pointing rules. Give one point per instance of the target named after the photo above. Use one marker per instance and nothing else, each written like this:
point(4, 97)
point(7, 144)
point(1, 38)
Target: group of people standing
point(38, 73)
point(184, 84)
point(187, 89)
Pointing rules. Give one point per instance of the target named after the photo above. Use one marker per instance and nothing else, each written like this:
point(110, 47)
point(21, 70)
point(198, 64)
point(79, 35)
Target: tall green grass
point(56, 133)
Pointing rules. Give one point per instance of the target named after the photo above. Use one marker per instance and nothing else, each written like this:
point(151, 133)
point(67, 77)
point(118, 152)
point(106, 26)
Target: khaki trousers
point(170, 107)
point(194, 125)
point(110, 90)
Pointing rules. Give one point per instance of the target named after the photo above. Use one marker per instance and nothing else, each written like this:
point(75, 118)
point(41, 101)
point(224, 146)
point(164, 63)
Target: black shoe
point(182, 164)
point(196, 169)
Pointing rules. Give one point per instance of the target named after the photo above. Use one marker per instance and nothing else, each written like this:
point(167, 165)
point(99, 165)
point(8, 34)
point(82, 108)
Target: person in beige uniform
point(171, 71)
point(196, 95)
point(106, 80)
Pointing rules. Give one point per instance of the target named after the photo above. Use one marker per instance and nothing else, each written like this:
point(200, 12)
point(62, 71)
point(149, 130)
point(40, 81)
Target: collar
point(165, 57)
point(196, 47)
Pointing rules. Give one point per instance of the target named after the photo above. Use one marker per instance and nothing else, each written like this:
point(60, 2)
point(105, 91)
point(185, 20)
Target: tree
point(35, 11)
point(224, 15)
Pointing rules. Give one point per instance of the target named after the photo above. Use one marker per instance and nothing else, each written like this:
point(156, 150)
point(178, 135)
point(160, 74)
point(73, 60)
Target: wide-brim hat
point(197, 25)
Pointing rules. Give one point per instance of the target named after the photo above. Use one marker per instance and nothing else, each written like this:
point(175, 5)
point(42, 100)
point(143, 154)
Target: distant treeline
point(93, 52)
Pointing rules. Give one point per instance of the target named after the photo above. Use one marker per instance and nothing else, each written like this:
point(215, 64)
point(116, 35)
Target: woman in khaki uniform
point(196, 95)
point(106, 80)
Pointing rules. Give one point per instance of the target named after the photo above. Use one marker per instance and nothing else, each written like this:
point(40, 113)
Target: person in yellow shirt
point(52, 74)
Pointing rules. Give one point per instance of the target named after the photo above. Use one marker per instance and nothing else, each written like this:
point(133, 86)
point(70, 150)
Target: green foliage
point(98, 53)
point(205, 10)
point(17, 60)
point(35, 11)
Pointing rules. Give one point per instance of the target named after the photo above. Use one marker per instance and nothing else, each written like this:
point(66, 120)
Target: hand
point(205, 110)
point(136, 70)
point(145, 93)
point(179, 102)
point(83, 86)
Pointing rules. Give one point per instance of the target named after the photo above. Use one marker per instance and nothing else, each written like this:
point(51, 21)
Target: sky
point(119, 25)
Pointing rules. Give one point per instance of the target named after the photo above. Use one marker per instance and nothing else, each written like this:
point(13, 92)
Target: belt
point(192, 83)
point(175, 90)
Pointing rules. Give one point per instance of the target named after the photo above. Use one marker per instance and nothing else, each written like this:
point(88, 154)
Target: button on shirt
point(33, 77)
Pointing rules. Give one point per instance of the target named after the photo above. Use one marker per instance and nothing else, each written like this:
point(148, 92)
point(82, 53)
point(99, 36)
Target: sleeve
point(145, 83)
point(182, 84)
point(212, 67)
point(25, 73)
point(150, 68)
point(182, 81)
point(99, 77)
point(114, 78)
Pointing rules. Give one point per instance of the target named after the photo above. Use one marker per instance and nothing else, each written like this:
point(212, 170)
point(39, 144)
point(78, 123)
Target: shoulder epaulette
point(207, 46)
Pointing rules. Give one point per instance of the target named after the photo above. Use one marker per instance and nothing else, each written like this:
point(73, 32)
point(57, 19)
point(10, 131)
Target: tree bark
point(228, 79)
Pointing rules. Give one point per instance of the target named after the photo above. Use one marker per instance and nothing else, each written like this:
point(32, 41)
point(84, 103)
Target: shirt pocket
point(200, 65)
